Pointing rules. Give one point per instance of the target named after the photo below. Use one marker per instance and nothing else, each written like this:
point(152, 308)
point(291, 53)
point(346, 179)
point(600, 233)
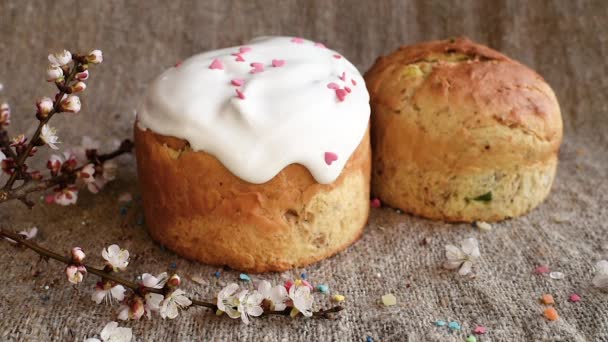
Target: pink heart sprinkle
point(353, 82)
point(337, 56)
point(297, 40)
point(237, 82)
point(240, 94)
point(574, 298)
point(216, 64)
point(332, 85)
point(278, 63)
point(321, 45)
point(341, 94)
point(244, 49)
point(375, 203)
point(257, 67)
point(239, 57)
point(178, 64)
point(480, 330)
point(343, 76)
point(330, 157)
point(542, 269)
point(347, 89)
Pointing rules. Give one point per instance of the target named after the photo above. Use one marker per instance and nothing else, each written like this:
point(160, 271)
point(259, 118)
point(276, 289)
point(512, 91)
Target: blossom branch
point(105, 274)
point(65, 178)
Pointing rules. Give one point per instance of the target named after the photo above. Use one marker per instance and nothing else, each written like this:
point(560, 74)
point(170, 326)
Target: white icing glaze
point(288, 113)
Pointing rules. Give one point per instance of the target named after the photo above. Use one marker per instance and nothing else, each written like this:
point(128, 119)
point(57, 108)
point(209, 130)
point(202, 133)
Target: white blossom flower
point(115, 257)
point(27, 234)
point(70, 103)
point(151, 281)
point(49, 136)
point(276, 296)
point(113, 333)
point(302, 299)
point(95, 57)
point(169, 307)
point(133, 309)
point(60, 58)
point(2, 164)
point(463, 257)
point(109, 170)
point(104, 291)
point(227, 301)
point(87, 173)
point(53, 72)
point(75, 273)
point(44, 105)
point(152, 303)
point(601, 276)
point(249, 305)
point(66, 196)
point(77, 254)
point(5, 114)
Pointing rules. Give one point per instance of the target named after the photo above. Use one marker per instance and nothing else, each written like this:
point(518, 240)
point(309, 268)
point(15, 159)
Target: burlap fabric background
point(566, 41)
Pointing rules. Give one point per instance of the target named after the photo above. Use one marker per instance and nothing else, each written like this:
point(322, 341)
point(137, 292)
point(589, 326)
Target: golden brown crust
point(199, 209)
point(457, 109)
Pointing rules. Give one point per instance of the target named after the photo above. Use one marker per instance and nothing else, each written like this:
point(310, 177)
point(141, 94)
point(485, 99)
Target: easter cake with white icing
point(256, 156)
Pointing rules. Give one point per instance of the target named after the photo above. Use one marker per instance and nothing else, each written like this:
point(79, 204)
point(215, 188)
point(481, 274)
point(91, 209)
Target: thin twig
point(137, 288)
point(40, 185)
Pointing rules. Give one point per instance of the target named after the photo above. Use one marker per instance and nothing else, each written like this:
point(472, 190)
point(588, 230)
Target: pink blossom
point(67, 195)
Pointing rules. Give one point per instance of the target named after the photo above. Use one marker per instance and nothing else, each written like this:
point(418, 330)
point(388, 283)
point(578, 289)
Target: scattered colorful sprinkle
point(375, 203)
point(321, 45)
point(338, 298)
point(240, 94)
point(551, 314)
point(353, 82)
point(542, 269)
point(278, 63)
point(343, 76)
point(237, 82)
point(389, 299)
point(369, 339)
point(485, 226)
point(323, 288)
point(454, 326)
point(341, 94)
point(337, 56)
point(173, 265)
point(297, 40)
point(244, 277)
point(257, 67)
point(330, 157)
point(244, 49)
point(440, 323)
point(239, 57)
point(574, 298)
point(556, 275)
point(471, 338)
point(480, 330)
point(217, 274)
point(347, 89)
point(216, 64)
point(333, 85)
point(303, 275)
point(547, 299)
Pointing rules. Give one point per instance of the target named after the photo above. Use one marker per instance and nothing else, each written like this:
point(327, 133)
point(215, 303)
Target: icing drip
point(283, 100)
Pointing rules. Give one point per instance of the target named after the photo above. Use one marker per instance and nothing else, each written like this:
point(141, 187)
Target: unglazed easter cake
point(256, 156)
point(461, 132)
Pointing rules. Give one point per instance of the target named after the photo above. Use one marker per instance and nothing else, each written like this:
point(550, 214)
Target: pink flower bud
point(60, 58)
point(77, 254)
point(83, 75)
point(78, 87)
point(44, 105)
point(70, 103)
point(95, 57)
point(174, 281)
point(53, 72)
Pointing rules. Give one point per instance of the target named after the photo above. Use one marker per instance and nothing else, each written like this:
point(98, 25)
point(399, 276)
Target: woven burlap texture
point(564, 40)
